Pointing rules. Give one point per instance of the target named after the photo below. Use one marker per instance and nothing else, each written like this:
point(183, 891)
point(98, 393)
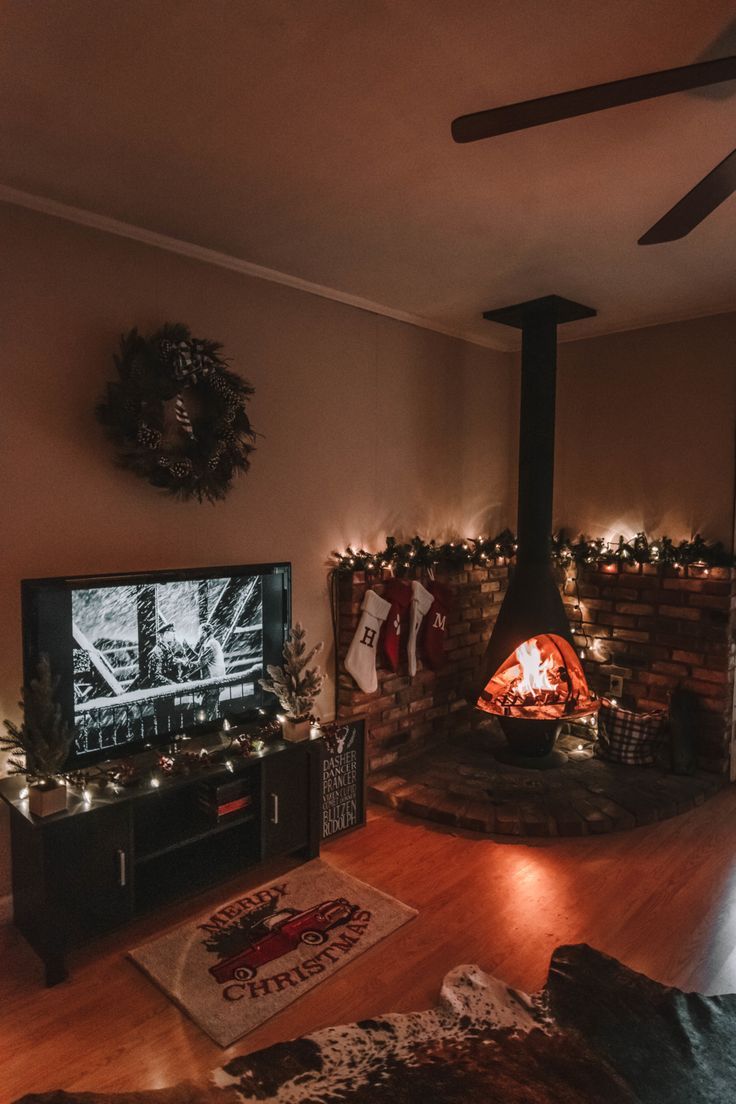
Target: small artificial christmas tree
point(296, 684)
point(44, 739)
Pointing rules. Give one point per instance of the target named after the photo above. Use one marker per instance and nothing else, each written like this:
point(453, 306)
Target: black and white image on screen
point(152, 659)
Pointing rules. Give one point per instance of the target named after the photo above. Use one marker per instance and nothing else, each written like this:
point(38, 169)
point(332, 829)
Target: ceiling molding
point(107, 225)
point(649, 322)
point(103, 223)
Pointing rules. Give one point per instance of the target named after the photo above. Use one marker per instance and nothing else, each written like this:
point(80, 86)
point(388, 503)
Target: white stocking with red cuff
point(360, 661)
point(421, 601)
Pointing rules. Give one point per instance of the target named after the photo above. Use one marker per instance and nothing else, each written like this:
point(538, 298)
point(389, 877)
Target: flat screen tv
point(143, 658)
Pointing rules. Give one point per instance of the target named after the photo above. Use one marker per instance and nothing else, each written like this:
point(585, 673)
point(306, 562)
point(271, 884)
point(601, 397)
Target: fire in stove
point(541, 680)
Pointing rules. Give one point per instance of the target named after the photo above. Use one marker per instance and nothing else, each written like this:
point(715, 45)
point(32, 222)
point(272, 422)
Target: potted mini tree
point(296, 684)
point(44, 740)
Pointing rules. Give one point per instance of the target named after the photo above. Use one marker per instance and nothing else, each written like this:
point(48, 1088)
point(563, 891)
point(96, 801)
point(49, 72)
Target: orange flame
point(535, 671)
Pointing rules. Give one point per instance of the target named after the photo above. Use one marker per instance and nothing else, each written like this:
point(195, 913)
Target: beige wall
point(361, 421)
point(646, 429)
point(368, 426)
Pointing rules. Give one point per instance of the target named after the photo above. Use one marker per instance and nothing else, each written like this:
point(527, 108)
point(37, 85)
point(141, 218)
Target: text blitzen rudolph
point(339, 781)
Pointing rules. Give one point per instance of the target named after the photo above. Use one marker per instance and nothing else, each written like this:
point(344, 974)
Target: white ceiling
point(312, 137)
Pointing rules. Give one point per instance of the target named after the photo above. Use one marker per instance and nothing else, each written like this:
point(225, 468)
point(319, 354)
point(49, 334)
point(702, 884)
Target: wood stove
point(533, 679)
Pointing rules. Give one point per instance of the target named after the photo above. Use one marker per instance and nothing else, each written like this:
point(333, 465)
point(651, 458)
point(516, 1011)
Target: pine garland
point(487, 551)
point(295, 684)
point(210, 443)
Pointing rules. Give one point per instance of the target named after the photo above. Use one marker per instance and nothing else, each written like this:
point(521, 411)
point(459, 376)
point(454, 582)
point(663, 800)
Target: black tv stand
point(103, 861)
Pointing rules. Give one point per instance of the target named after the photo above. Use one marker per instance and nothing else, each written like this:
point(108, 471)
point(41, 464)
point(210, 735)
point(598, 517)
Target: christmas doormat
point(252, 957)
point(597, 1032)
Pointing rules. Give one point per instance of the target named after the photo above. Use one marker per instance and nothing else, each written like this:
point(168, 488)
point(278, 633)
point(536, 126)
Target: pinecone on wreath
point(149, 438)
point(213, 444)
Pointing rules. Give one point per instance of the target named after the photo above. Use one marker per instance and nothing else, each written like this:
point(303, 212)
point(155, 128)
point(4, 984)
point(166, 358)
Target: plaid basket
point(628, 737)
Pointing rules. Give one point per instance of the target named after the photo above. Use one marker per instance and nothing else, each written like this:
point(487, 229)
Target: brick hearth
point(405, 716)
point(656, 628)
point(465, 787)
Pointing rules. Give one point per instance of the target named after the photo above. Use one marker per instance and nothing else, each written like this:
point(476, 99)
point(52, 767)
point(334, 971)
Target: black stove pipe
point(538, 320)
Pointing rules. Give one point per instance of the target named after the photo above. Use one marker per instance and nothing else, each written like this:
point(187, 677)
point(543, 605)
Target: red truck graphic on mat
point(286, 929)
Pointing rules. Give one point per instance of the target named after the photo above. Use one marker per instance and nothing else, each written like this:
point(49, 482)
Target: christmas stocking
point(434, 627)
point(398, 593)
point(361, 658)
point(421, 601)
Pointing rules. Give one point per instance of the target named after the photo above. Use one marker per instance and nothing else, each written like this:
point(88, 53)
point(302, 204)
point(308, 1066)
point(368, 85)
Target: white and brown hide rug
point(598, 1033)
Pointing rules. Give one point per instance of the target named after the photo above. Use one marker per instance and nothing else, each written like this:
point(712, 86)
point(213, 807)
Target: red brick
point(620, 593)
point(693, 585)
point(710, 676)
point(651, 678)
point(631, 634)
point(710, 601)
point(380, 732)
point(680, 612)
point(392, 683)
point(457, 630)
point(677, 669)
point(635, 608)
point(421, 704)
point(706, 689)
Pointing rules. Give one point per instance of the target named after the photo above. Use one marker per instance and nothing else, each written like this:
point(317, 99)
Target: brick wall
point(654, 628)
point(405, 715)
point(659, 629)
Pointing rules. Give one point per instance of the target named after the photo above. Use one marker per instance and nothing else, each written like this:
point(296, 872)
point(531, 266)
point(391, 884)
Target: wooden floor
point(662, 899)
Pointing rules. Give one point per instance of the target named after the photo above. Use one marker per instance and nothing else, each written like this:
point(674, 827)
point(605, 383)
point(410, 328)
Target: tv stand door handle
point(122, 867)
point(274, 808)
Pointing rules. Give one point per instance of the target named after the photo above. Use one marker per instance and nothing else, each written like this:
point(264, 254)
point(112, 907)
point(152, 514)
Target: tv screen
point(144, 658)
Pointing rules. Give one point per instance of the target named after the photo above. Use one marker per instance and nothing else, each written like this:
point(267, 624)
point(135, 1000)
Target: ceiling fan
point(699, 202)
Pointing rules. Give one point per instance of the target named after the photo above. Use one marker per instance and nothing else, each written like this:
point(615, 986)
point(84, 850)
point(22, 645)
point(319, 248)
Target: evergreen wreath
point(178, 414)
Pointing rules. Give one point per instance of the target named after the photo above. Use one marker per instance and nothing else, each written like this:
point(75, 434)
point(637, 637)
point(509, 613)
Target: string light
point(608, 556)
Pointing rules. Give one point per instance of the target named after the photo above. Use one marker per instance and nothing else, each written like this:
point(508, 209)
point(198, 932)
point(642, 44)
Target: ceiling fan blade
point(584, 101)
point(718, 185)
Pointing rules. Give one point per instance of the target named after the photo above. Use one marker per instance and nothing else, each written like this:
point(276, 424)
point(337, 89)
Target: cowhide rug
point(598, 1033)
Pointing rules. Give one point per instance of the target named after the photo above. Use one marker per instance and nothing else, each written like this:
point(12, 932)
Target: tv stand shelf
point(100, 863)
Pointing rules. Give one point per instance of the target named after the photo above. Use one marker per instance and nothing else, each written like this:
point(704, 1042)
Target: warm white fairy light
point(155, 783)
